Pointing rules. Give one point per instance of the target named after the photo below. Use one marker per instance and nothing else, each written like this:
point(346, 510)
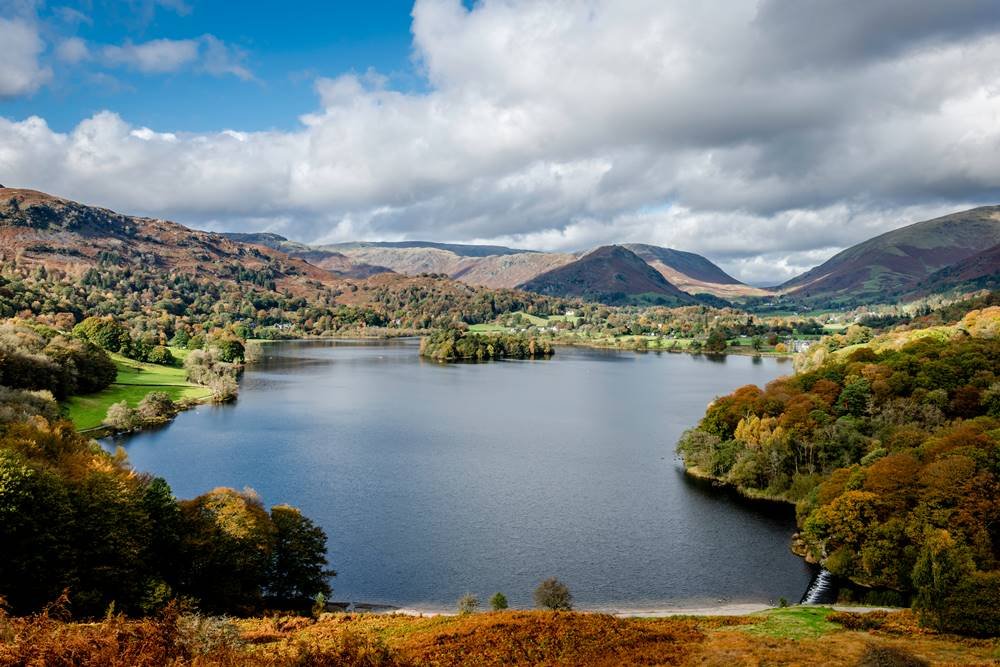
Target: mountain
point(330, 260)
point(897, 261)
point(460, 249)
point(693, 273)
point(499, 266)
point(610, 274)
point(63, 256)
point(473, 265)
point(979, 271)
point(37, 228)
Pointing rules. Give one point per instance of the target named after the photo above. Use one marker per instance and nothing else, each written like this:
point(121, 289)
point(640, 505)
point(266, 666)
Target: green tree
point(498, 602)
point(717, 341)
point(104, 332)
point(162, 355)
point(227, 544)
point(298, 567)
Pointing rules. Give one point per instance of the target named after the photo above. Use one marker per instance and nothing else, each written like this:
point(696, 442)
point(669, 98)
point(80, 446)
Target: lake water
point(436, 480)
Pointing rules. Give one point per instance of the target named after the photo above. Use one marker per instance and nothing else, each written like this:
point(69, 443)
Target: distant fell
point(612, 275)
point(897, 261)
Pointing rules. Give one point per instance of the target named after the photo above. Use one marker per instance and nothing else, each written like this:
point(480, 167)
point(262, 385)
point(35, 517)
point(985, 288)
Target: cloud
point(154, 56)
point(219, 58)
point(21, 73)
point(767, 136)
point(72, 51)
point(207, 54)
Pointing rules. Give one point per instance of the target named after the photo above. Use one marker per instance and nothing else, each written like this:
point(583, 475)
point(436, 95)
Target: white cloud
point(154, 56)
point(207, 54)
point(73, 50)
point(20, 70)
point(569, 124)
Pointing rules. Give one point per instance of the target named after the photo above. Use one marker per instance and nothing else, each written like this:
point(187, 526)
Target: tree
point(717, 341)
point(298, 567)
point(943, 580)
point(230, 350)
point(498, 602)
point(854, 398)
point(155, 406)
point(468, 604)
point(228, 539)
point(36, 518)
point(553, 594)
point(104, 332)
point(121, 417)
point(161, 355)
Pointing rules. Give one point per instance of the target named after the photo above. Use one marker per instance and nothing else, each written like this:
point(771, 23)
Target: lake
point(436, 480)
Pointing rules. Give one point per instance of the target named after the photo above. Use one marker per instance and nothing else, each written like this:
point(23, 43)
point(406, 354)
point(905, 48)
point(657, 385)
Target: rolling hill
point(897, 261)
point(613, 275)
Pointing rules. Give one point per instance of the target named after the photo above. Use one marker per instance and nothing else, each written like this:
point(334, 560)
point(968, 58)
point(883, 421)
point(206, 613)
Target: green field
point(135, 380)
point(794, 623)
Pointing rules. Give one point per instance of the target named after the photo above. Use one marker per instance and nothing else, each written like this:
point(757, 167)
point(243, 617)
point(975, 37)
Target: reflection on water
point(434, 480)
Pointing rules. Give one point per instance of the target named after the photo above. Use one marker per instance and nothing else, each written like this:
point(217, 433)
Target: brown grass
point(504, 638)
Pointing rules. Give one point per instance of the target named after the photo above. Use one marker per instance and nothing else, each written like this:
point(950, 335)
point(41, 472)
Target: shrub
point(553, 594)
point(468, 604)
point(876, 655)
point(498, 602)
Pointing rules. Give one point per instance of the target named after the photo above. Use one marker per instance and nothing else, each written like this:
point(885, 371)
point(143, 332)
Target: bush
point(553, 594)
point(876, 655)
point(498, 602)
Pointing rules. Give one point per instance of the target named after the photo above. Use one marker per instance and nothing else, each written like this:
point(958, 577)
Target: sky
point(765, 135)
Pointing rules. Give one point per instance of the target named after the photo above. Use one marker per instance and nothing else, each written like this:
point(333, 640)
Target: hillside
point(503, 268)
point(796, 635)
point(610, 274)
point(693, 273)
point(897, 261)
point(460, 249)
point(329, 260)
point(61, 256)
point(979, 271)
point(40, 229)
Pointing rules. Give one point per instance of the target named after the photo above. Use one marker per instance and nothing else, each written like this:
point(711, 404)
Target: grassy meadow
point(135, 379)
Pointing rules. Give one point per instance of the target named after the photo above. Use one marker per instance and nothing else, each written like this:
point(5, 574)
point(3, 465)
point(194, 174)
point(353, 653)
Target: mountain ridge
point(896, 261)
point(610, 274)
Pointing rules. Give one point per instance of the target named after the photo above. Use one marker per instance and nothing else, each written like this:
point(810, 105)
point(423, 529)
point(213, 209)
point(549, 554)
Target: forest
point(77, 519)
point(891, 452)
point(457, 345)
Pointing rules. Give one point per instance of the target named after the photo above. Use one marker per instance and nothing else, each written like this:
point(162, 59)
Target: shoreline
point(727, 609)
point(555, 342)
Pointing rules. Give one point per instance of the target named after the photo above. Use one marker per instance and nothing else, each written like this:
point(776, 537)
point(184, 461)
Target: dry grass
point(502, 638)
